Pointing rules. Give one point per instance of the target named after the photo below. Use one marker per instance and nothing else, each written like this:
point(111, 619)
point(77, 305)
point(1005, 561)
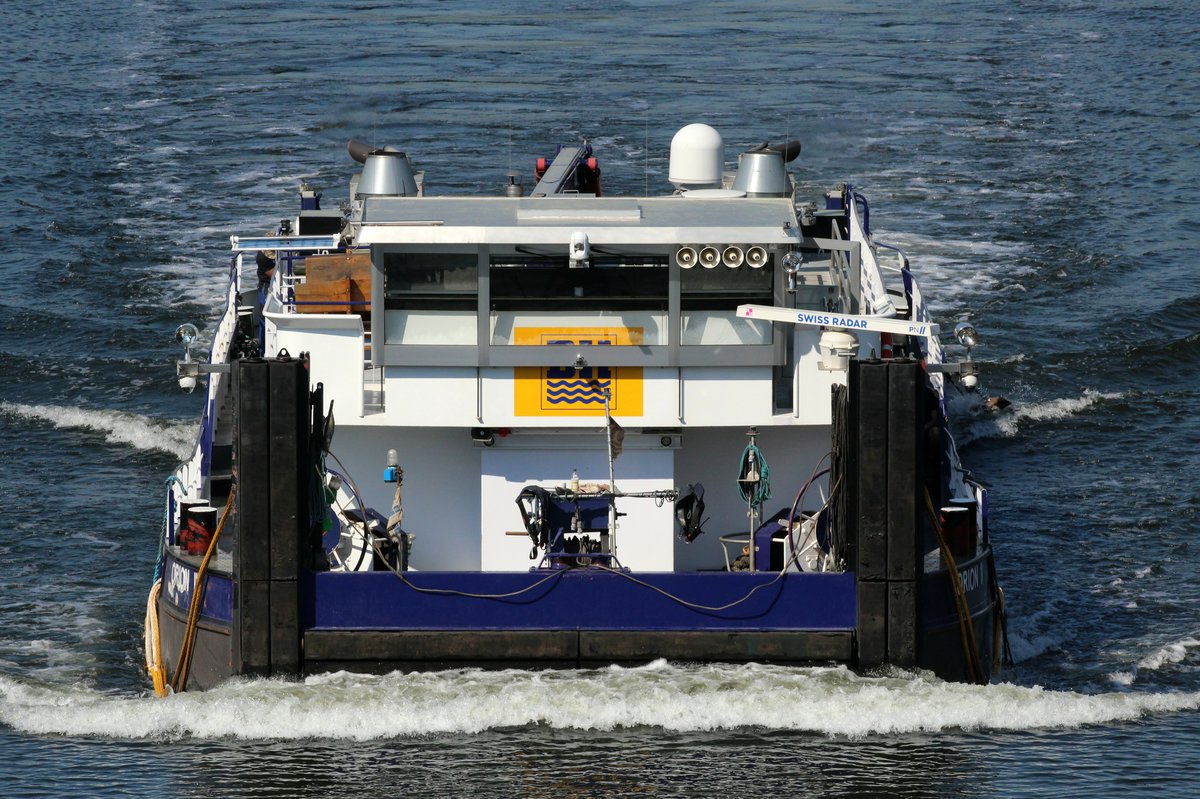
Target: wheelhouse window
point(534, 295)
point(431, 297)
point(709, 298)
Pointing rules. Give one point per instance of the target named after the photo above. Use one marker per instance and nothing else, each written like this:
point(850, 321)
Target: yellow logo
point(563, 391)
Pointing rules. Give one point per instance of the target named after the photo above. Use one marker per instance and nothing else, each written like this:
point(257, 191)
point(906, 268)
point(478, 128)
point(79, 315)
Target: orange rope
point(965, 625)
point(179, 681)
point(154, 662)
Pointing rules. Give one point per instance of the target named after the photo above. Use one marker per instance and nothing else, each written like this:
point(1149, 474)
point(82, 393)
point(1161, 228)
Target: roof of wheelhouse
point(611, 220)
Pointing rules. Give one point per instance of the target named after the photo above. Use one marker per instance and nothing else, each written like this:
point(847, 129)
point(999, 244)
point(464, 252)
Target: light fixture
point(686, 257)
point(966, 335)
point(791, 267)
point(580, 250)
point(187, 335)
point(391, 467)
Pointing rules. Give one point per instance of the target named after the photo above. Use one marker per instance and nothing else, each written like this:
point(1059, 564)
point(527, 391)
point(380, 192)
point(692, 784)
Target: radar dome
point(697, 158)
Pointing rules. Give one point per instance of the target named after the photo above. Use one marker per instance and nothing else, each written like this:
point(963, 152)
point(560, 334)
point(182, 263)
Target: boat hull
point(944, 635)
point(376, 622)
point(210, 661)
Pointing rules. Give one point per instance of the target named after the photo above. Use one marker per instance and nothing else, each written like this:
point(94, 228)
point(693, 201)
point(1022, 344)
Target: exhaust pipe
point(359, 150)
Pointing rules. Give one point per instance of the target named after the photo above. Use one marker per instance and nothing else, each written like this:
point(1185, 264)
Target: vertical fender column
point(271, 460)
point(883, 471)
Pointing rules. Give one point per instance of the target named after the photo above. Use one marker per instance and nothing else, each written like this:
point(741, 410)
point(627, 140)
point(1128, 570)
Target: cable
point(762, 488)
point(153, 642)
point(694, 605)
point(800, 496)
point(1000, 629)
point(558, 573)
point(179, 681)
point(162, 539)
point(965, 625)
point(453, 592)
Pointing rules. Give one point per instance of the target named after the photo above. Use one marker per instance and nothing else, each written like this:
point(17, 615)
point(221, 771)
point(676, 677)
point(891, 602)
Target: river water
point(1038, 161)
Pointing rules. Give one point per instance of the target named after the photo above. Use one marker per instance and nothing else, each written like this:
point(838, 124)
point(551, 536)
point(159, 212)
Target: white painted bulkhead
point(335, 346)
point(459, 498)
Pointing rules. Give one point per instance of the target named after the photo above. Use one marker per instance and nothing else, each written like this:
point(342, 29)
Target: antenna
point(646, 149)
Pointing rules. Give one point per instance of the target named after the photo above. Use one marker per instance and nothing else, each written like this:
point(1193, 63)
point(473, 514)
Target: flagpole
point(612, 481)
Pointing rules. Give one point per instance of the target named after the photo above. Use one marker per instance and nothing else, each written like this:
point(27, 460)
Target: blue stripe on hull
point(179, 581)
point(580, 599)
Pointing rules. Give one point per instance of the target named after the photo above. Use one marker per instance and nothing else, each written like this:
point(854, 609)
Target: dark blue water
point(1038, 161)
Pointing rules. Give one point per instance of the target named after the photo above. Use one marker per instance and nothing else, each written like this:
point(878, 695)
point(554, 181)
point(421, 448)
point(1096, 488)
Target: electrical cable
point(467, 594)
point(800, 496)
point(694, 605)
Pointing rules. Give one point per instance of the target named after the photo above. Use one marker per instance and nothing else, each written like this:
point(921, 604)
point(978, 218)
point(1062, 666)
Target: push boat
point(573, 430)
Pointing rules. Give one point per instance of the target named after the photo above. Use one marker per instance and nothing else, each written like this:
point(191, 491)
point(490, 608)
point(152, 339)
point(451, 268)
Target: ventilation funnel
point(387, 174)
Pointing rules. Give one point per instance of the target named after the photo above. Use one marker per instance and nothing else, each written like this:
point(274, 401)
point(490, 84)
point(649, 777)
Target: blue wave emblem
point(600, 385)
point(576, 392)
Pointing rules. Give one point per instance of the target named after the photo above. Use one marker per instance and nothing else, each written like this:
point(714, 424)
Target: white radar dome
point(697, 158)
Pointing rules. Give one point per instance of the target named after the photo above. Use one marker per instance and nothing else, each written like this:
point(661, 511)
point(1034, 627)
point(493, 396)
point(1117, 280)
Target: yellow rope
point(965, 625)
point(179, 681)
point(154, 662)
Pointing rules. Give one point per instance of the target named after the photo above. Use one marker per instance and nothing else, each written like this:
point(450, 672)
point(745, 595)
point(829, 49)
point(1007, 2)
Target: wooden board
point(343, 278)
point(324, 297)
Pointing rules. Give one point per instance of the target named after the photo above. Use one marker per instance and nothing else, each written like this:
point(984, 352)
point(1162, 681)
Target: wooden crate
point(338, 283)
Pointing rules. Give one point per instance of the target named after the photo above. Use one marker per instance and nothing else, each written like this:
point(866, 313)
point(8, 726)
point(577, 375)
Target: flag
point(616, 437)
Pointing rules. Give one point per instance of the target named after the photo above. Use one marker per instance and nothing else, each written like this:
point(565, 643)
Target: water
point(1037, 160)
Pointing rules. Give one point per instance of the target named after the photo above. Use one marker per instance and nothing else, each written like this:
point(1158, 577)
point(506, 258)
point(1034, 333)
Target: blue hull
point(581, 599)
point(374, 621)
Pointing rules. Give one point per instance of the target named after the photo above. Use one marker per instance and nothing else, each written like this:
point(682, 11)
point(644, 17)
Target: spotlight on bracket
point(187, 335)
point(483, 436)
point(966, 335)
point(791, 267)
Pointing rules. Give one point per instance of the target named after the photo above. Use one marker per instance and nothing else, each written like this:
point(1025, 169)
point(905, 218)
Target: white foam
point(1007, 424)
point(1174, 652)
point(828, 701)
point(118, 427)
point(1168, 654)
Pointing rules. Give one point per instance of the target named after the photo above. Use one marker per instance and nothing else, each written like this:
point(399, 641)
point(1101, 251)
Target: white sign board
point(838, 321)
